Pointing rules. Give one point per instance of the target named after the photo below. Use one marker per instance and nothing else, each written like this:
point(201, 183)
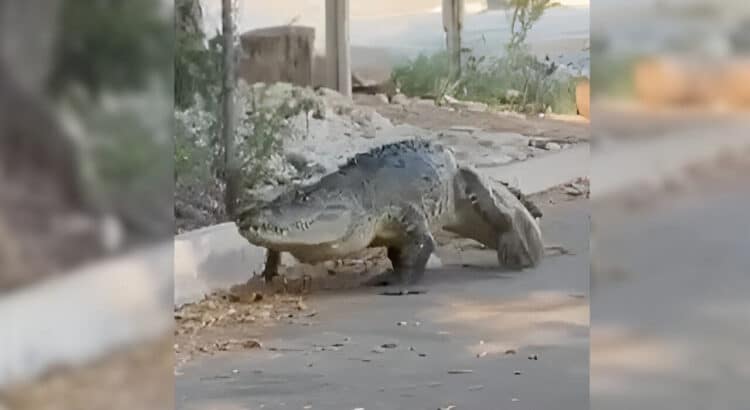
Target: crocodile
point(395, 196)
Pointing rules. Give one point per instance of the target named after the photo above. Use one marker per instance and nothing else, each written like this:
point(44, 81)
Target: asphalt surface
point(670, 330)
point(517, 339)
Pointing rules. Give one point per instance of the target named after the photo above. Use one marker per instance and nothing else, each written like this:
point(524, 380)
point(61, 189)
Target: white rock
point(552, 146)
point(425, 102)
point(476, 106)
point(434, 262)
point(382, 98)
point(400, 99)
point(512, 95)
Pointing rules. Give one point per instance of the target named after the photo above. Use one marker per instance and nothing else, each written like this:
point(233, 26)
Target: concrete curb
point(210, 258)
point(542, 173)
point(86, 314)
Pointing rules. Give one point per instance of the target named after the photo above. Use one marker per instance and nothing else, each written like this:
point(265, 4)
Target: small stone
point(251, 344)
point(481, 342)
point(482, 354)
point(402, 323)
point(422, 354)
point(533, 357)
point(517, 372)
point(378, 350)
point(572, 191)
point(510, 351)
point(460, 371)
point(465, 128)
point(235, 371)
point(388, 345)
point(428, 102)
point(552, 146)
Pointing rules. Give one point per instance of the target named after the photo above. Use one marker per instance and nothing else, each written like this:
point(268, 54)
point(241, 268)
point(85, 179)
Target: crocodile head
point(298, 219)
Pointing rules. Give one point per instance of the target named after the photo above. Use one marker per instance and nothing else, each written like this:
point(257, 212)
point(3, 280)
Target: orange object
point(583, 98)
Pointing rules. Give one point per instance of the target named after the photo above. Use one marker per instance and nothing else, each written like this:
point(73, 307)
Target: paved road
point(672, 332)
point(467, 311)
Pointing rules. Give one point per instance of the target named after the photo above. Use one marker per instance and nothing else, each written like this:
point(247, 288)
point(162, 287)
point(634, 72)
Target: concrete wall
point(282, 53)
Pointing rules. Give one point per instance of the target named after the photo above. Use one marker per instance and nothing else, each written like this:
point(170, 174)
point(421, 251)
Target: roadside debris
point(460, 371)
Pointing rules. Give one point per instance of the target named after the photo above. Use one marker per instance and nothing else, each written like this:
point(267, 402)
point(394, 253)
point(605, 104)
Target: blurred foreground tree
point(197, 62)
point(111, 44)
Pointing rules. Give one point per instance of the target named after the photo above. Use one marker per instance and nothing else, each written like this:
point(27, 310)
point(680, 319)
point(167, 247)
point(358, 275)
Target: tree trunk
point(453, 12)
point(231, 173)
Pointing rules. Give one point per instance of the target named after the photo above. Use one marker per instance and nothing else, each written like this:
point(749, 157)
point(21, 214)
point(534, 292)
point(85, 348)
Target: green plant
point(519, 81)
point(523, 15)
point(423, 75)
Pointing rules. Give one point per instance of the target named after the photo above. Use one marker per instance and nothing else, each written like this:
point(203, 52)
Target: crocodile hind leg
point(519, 239)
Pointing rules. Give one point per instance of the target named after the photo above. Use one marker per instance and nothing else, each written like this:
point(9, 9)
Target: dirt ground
point(424, 114)
point(138, 377)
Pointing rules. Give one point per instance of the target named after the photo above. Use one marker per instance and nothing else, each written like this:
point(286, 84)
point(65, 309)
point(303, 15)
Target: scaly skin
point(395, 196)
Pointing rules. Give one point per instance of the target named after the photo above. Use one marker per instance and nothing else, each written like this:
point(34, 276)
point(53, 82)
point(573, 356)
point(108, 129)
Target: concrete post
point(453, 17)
point(338, 54)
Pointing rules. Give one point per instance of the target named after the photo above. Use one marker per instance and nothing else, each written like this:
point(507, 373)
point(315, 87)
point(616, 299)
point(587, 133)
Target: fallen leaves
point(232, 310)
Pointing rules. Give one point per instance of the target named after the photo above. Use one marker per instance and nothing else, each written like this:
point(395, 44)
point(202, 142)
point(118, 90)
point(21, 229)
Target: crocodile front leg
point(409, 252)
point(273, 260)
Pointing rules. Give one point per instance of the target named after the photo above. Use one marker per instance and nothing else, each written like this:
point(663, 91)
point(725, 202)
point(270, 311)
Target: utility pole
point(231, 173)
point(453, 18)
point(338, 55)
